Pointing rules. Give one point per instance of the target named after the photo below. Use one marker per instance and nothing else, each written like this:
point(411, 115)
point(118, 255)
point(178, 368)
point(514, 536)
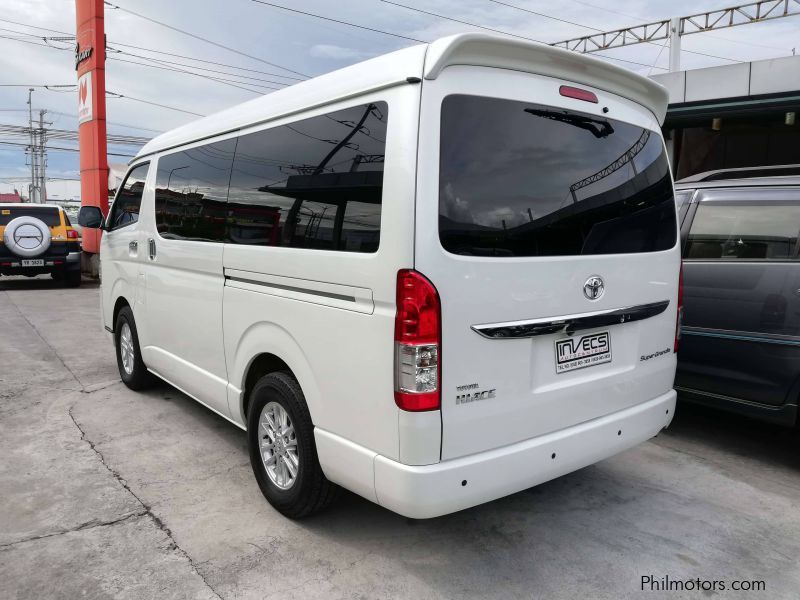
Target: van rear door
point(547, 223)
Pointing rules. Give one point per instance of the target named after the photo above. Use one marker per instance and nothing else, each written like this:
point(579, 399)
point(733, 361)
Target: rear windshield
point(521, 179)
point(47, 214)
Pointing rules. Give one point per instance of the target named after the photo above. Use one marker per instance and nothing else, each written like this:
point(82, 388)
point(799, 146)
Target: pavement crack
point(146, 508)
point(82, 527)
point(46, 343)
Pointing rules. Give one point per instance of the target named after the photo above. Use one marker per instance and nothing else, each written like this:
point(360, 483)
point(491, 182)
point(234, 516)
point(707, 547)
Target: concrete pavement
point(107, 493)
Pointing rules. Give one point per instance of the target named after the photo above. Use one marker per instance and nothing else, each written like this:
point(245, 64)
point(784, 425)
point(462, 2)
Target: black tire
point(311, 491)
point(139, 378)
point(72, 278)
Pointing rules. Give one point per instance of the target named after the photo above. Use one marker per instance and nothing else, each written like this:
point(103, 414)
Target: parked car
point(740, 349)
point(434, 278)
point(72, 215)
point(39, 239)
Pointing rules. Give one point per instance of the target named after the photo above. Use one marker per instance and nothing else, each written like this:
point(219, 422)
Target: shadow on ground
point(40, 282)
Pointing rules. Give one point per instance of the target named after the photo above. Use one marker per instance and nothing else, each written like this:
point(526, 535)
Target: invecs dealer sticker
point(581, 352)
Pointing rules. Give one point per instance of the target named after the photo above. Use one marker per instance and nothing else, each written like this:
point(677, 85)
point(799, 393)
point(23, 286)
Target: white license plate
point(32, 262)
point(578, 352)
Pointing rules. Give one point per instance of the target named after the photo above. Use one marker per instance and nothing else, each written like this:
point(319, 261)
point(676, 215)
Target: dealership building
point(739, 115)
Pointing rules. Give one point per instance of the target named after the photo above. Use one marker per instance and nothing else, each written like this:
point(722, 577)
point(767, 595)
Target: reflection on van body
point(371, 273)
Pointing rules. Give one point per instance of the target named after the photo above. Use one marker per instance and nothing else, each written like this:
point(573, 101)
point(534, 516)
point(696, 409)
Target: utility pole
point(42, 158)
point(32, 150)
point(675, 44)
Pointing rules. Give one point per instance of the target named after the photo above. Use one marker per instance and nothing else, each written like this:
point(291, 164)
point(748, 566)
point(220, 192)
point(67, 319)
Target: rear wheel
point(283, 453)
point(129, 356)
point(72, 278)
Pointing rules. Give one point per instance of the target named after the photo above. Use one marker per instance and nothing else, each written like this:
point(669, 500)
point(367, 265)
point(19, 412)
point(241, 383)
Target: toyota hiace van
point(434, 278)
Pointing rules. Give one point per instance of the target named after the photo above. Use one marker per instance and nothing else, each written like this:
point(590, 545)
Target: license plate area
point(32, 262)
point(581, 351)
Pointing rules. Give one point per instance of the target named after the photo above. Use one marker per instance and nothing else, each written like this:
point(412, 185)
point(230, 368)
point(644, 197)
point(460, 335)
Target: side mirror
point(90, 217)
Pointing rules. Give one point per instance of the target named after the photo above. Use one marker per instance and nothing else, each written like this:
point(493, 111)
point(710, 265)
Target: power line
point(71, 134)
point(216, 79)
point(530, 39)
point(34, 26)
point(14, 39)
point(227, 82)
point(308, 14)
point(433, 14)
point(155, 51)
point(40, 85)
point(116, 124)
point(546, 16)
point(201, 38)
point(190, 66)
point(59, 149)
point(208, 77)
point(210, 62)
point(117, 95)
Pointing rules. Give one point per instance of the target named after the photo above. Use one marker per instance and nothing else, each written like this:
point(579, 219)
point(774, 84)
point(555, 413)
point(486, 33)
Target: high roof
point(423, 61)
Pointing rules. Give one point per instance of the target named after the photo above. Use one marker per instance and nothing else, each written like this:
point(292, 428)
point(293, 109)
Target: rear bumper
point(14, 265)
point(422, 492)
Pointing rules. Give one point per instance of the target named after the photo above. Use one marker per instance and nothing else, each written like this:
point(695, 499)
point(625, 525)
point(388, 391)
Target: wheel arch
point(119, 304)
point(266, 348)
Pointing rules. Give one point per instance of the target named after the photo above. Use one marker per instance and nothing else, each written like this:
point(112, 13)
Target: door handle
point(151, 245)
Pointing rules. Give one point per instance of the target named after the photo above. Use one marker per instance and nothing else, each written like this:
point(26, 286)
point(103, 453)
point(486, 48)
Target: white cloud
point(336, 52)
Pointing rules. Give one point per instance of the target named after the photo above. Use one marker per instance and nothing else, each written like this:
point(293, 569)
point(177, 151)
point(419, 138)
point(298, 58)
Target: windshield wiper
point(597, 127)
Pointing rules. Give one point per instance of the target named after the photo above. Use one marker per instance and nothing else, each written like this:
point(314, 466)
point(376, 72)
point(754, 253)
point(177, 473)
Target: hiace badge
point(579, 352)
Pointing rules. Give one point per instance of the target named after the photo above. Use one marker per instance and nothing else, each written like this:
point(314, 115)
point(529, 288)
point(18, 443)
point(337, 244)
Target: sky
point(294, 43)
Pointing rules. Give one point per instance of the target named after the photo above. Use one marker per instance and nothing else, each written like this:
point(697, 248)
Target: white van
point(434, 278)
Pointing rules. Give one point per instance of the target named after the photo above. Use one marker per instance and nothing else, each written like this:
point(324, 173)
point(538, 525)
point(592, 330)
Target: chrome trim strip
point(290, 288)
point(569, 324)
point(765, 338)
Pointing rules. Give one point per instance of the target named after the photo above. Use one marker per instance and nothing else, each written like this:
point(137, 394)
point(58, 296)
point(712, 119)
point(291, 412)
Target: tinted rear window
point(47, 214)
point(520, 179)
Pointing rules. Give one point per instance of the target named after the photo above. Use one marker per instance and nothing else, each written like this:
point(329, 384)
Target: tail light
point(417, 341)
point(72, 234)
point(679, 318)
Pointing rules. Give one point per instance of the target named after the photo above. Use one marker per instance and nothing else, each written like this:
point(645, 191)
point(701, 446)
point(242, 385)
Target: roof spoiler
point(480, 49)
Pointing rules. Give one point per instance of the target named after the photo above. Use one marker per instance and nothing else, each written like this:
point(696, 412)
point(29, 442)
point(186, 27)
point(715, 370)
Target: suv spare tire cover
point(27, 236)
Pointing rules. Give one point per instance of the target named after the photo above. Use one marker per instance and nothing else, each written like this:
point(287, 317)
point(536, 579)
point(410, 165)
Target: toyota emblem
point(594, 287)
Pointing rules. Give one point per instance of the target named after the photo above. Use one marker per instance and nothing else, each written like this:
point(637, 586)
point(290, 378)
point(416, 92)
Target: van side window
point(125, 209)
point(316, 183)
point(191, 192)
point(734, 230)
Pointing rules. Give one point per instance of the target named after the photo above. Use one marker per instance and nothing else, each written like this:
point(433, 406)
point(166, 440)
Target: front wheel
point(129, 356)
point(283, 453)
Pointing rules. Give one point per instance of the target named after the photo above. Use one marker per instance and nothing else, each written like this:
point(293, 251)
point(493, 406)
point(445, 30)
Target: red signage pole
point(90, 61)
